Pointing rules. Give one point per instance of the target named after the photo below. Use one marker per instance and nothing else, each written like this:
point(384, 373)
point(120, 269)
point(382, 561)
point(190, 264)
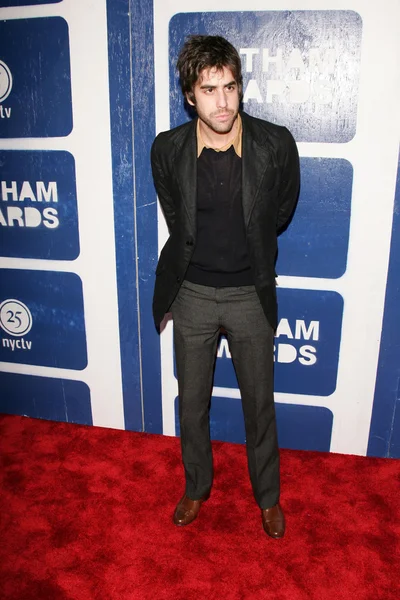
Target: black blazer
point(270, 185)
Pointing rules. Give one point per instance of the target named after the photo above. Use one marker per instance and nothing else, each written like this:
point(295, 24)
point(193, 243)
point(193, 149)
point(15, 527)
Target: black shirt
point(220, 257)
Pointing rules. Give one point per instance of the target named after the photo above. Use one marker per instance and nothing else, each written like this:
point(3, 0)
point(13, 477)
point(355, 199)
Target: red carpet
point(86, 514)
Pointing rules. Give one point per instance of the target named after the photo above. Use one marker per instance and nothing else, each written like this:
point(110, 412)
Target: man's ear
point(189, 100)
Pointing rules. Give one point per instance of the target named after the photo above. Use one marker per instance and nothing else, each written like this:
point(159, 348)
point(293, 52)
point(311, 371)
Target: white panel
point(373, 152)
point(90, 145)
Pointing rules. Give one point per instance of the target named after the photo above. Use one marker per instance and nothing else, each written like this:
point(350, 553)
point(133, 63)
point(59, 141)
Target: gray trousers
point(199, 312)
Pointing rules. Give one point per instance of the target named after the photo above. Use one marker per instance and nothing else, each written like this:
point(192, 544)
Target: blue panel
point(35, 86)
point(384, 437)
point(45, 398)
point(316, 243)
point(307, 341)
point(38, 211)
point(41, 319)
point(146, 204)
point(124, 209)
point(299, 427)
point(298, 62)
point(307, 344)
point(304, 427)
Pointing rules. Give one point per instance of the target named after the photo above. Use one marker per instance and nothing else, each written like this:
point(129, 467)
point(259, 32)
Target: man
point(227, 182)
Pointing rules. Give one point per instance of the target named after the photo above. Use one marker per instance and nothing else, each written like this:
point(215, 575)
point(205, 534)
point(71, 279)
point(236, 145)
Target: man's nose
point(222, 101)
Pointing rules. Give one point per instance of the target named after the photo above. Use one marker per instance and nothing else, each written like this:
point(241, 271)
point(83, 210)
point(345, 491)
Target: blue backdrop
point(42, 314)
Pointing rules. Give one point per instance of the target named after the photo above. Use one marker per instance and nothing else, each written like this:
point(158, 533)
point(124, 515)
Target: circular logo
point(15, 317)
point(6, 81)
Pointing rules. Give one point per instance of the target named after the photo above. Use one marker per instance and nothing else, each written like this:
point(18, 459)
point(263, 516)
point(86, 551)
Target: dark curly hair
point(201, 52)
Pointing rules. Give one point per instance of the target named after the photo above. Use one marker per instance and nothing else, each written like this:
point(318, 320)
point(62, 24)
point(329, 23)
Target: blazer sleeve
point(162, 188)
point(290, 180)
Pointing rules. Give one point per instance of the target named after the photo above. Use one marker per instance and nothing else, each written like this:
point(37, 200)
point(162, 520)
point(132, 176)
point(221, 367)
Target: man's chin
point(224, 126)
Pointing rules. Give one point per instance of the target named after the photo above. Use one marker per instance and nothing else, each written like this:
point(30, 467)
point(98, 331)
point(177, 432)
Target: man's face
point(216, 99)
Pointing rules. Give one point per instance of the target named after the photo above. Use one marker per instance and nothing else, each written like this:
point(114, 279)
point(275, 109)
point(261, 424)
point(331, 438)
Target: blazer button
point(189, 243)
point(178, 279)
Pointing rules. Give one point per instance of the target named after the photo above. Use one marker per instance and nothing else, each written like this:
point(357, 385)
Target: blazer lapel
point(186, 172)
point(255, 160)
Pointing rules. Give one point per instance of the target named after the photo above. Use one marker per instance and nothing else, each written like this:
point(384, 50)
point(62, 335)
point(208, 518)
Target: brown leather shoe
point(273, 521)
point(187, 510)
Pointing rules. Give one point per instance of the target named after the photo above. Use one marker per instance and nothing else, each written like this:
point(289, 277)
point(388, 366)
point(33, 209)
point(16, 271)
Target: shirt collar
point(236, 142)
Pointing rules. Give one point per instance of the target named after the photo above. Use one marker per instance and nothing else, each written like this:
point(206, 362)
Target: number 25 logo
point(6, 81)
point(15, 317)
